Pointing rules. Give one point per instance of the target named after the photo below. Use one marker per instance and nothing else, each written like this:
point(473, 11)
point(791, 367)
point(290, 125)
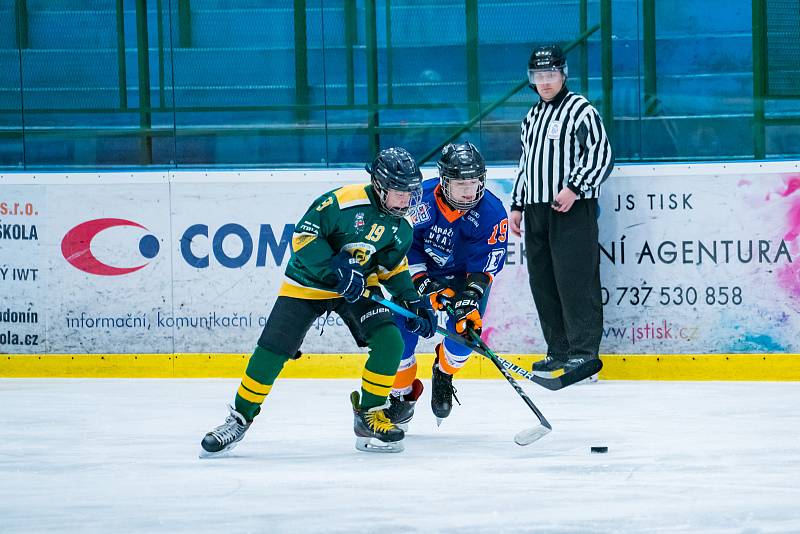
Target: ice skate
point(442, 393)
point(225, 437)
point(374, 431)
point(401, 408)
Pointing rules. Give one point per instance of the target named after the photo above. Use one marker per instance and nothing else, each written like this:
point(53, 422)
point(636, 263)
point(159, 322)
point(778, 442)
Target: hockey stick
point(523, 437)
point(529, 435)
point(583, 371)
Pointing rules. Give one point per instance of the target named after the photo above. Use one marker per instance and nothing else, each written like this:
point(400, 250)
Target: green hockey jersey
point(348, 219)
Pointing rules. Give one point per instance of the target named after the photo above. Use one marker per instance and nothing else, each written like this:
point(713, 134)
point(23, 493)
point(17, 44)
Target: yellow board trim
point(701, 367)
point(256, 387)
point(692, 367)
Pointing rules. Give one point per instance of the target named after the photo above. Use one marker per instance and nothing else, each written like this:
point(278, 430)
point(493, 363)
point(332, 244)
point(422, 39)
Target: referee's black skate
point(226, 436)
point(442, 392)
point(374, 431)
point(401, 408)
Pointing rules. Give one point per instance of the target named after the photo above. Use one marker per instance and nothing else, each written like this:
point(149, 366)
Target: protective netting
point(783, 47)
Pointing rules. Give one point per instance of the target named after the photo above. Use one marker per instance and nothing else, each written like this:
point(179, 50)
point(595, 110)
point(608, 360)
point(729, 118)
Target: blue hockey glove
point(424, 324)
point(351, 279)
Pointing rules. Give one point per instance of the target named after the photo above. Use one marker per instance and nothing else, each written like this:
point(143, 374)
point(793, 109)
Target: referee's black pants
point(563, 258)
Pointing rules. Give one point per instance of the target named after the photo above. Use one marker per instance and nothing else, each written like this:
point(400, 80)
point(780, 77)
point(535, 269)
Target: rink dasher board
point(675, 279)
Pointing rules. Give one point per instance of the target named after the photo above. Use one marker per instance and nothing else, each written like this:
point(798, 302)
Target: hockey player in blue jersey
point(459, 245)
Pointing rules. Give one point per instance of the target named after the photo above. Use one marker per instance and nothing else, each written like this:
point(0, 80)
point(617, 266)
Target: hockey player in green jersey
point(350, 239)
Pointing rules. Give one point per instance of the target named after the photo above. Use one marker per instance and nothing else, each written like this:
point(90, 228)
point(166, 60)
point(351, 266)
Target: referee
point(565, 157)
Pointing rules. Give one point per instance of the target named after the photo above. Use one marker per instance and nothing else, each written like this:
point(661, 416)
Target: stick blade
point(529, 435)
point(578, 374)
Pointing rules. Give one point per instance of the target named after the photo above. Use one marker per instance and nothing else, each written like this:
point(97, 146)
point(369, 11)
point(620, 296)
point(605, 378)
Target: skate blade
point(439, 421)
point(402, 426)
point(548, 374)
point(528, 436)
point(204, 454)
point(376, 445)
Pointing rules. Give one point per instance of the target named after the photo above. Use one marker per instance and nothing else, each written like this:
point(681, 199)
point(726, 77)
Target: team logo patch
point(421, 213)
point(554, 130)
point(440, 257)
point(495, 259)
point(359, 221)
point(360, 251)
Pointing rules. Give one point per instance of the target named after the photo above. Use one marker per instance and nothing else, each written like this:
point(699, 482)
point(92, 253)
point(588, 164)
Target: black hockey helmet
point(394, 168)
point(460, 162)
point(547, 58)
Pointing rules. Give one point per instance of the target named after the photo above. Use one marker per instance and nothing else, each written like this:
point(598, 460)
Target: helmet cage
point(461, 163)
point(381, 192)
point(395, 170)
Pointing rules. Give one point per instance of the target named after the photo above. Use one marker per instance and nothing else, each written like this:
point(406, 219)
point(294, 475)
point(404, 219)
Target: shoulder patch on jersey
point(495, 259)
point(421, 214)
point(301, 239)
point(325, 203)
point(352, 195)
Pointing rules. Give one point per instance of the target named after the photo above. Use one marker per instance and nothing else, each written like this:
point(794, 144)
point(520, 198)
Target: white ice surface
point(121, 456)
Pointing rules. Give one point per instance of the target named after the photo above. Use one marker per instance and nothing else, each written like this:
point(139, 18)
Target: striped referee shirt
point(563, 144)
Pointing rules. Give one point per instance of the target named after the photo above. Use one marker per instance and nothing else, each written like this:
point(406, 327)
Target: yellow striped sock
point(375, 388)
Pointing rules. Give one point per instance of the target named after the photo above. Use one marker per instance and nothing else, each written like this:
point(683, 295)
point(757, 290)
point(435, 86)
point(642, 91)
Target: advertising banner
point(23, 262)
point(701, 262)
point(694, 259)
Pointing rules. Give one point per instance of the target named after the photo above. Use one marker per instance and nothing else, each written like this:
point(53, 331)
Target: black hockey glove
point(424, 324)
point(351, 279)
point(466, 305)
point(433, 289)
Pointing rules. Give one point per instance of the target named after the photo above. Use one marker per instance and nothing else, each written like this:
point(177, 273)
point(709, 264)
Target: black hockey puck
point(598, 449)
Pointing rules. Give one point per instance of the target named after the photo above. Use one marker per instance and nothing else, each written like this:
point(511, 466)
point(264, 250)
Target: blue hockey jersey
point(452, 242)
